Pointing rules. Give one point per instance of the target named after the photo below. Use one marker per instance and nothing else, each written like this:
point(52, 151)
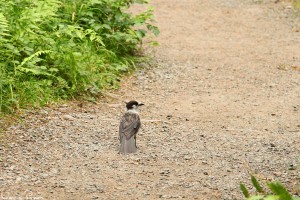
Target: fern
point(280, 191)
point(40, 10)
point(32, 56)
point(4, 36)
point(244, 190)
point(3, 27)
point(89, 45)
point(256, 184)
point(93, 36)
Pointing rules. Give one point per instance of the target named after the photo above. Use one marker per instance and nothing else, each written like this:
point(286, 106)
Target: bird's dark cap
point(130, 104)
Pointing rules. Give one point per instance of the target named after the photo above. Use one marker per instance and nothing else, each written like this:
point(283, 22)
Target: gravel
point(217, 109)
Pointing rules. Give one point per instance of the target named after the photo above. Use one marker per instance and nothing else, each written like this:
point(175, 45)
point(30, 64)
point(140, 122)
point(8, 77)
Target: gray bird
point(129, 126)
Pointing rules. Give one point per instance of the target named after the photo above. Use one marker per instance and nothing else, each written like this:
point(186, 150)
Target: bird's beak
point(141, 104)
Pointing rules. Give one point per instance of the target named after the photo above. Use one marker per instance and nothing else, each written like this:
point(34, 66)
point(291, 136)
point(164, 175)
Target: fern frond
point(3, 27)
point(94, 37)
point(279, 190)
point(38, 53)
point(244, 190)
point(256, 185)
point(35, 70)
point(40, 10)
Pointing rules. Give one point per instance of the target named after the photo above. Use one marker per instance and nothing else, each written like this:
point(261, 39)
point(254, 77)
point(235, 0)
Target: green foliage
point(56, 49)
point(256, 184)
point(296, 4)
point(244, 190)
point(278, 191)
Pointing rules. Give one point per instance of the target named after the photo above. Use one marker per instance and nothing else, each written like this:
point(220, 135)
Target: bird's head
point(133, 105)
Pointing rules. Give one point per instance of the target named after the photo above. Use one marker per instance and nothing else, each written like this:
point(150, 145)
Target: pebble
point(68, 117)
point(187, 157)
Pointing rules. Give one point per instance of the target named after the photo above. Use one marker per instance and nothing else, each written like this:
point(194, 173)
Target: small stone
point(18, 179)
point(277, 173)
point(44, 175)
point(12, 167)
point(169, 117)
point(187, 157)
point(68, 117)
point(272, 145)
point(292, 167)
point(165, 172)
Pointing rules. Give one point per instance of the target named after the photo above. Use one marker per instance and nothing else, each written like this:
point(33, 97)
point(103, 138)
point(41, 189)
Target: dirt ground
point(222, 102)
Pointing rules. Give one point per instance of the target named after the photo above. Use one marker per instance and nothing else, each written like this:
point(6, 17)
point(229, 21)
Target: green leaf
point(36, 54)
point(244, 190)
point(256, 184)
point(53, 69)
point(140, 33)
point(3, 26)
point(279, 189)
point(154, 43)
point(258, 197)
point(106, 26)
point(271, 197)
point(156, 31)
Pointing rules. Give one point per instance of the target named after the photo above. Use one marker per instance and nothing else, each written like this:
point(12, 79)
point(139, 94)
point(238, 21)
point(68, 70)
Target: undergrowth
point(60, 49)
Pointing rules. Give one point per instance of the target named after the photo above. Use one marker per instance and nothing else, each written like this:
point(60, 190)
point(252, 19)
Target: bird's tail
point(128, 146)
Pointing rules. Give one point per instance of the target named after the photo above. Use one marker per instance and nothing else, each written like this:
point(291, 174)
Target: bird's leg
point(120, 138)
point(135, 141)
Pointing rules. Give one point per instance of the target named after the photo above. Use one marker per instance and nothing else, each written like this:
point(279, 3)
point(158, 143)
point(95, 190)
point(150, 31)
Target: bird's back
point(129, 126)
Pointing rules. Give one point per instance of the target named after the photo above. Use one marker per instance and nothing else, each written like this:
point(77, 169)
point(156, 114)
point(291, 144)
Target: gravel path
point(223, 101)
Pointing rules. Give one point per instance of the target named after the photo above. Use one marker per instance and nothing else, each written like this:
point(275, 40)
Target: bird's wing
point(129, 126)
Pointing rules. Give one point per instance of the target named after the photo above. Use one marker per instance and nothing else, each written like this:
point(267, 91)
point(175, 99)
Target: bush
point(56, 49)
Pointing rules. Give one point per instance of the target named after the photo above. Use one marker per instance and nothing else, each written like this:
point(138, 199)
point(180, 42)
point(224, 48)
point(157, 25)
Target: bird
point(129, 127)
